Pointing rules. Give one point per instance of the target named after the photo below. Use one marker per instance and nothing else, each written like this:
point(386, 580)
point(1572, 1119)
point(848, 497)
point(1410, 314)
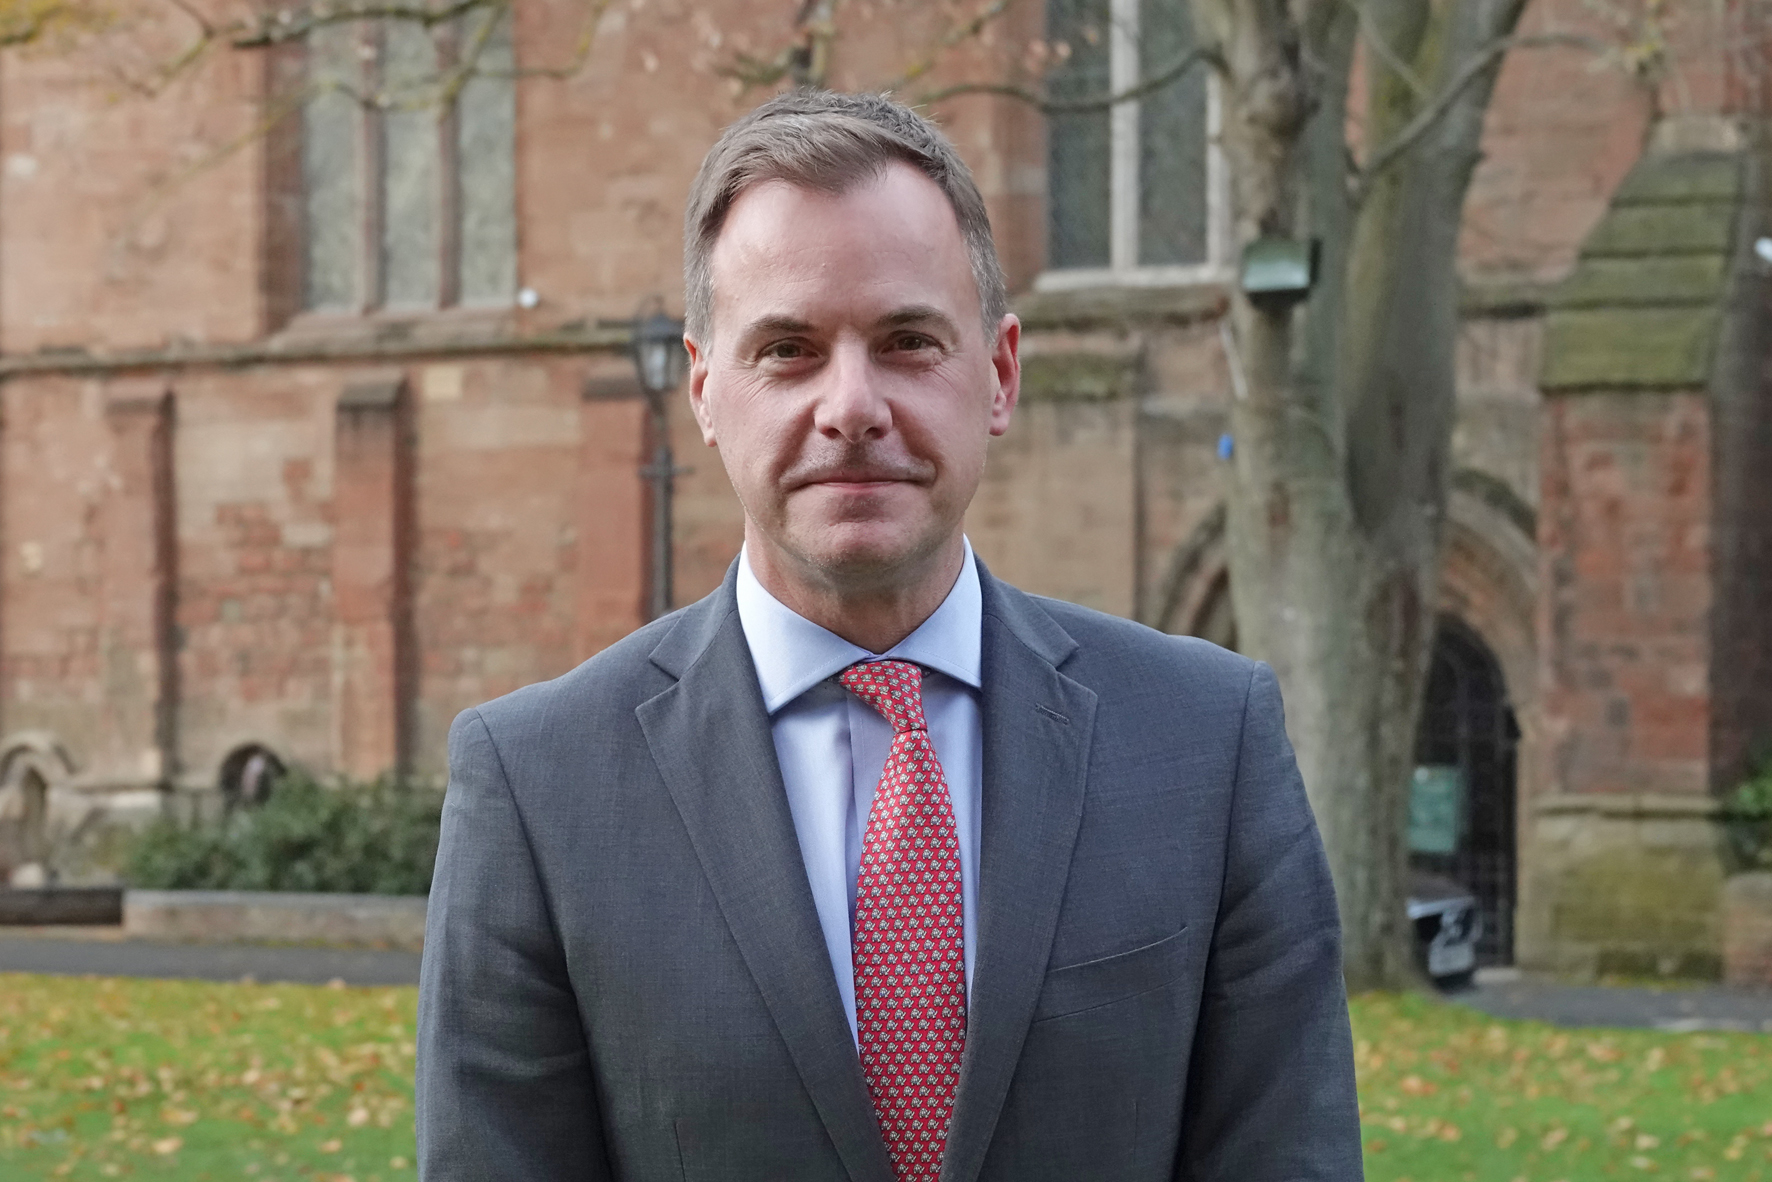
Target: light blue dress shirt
point(832, 746)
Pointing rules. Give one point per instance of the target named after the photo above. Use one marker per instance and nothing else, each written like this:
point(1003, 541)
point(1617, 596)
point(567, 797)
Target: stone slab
point(34, 906)
point(1663, 230)
point(346, 921)
point(1671, 179)
point(1654, 281)
point(1113, 307)
point(1629, 348)
point(1747, 930)
point(1077, 377)
point(1635, 805)
point(263, 963)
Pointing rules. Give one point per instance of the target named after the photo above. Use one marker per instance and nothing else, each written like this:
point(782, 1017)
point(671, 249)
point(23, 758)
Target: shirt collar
point(792, 654)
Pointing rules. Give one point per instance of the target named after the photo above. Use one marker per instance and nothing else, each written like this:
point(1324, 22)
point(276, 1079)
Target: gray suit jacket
point(624, 976)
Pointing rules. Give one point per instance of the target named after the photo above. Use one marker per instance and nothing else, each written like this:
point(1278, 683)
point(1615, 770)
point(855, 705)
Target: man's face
point(849, 385)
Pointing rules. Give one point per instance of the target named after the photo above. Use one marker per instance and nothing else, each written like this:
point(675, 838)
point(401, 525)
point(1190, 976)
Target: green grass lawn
point(103, 1078)
point(106, 1078)
point(1448, 1094)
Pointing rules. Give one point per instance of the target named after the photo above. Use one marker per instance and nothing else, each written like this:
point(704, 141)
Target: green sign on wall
point(1436, 809)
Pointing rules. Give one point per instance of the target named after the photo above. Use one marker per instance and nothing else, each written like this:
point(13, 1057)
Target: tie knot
point(894, 688)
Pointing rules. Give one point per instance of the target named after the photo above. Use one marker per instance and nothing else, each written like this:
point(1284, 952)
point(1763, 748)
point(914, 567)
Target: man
point(869, 866)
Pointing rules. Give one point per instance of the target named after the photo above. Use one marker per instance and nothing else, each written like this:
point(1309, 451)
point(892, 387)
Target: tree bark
point(1344, 409)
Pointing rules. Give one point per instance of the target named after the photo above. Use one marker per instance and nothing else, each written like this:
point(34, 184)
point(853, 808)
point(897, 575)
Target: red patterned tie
point(910, 951)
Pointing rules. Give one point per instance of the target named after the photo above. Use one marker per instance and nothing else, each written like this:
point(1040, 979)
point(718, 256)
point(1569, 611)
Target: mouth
point(856, 485)
point(858, 482)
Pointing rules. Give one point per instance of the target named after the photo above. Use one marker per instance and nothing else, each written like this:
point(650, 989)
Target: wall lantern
point(1278, 272)
point(659, 359)
point(656, 345)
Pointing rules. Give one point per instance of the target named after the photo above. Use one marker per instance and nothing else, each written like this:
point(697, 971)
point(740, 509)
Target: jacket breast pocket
point(1109, 979)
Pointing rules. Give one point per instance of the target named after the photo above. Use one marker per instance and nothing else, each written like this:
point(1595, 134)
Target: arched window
point(32, 763)
point(248, 775)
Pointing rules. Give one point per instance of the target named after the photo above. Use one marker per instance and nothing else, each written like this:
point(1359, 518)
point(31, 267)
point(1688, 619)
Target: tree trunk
point(1344, 404)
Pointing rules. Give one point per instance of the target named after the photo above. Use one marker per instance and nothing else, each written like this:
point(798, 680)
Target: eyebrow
point(897, 318)
point(773, 324)
point(917, 314)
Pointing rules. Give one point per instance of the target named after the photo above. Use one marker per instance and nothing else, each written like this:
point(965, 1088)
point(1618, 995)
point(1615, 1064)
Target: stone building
point(314, 429)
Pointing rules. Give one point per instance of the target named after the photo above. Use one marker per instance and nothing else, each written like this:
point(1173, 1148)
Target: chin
point(866, 555)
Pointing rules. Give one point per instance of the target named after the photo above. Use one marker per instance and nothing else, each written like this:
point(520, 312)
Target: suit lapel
point(1037, 729)
point(709, 736)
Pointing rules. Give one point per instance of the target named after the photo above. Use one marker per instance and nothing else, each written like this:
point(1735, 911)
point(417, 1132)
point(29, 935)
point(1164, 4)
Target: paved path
point(108, 955)
point(105, 952)
point(1702, 1007)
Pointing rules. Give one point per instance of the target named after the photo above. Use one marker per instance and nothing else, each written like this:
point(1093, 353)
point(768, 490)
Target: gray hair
point(829, 142)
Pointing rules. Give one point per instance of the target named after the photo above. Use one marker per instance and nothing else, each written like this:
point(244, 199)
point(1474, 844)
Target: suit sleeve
point(504, 1086)
point(1270, 1094)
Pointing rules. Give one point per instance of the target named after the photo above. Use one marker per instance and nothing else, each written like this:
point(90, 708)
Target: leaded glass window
point(1132, 188)
point(408, 175)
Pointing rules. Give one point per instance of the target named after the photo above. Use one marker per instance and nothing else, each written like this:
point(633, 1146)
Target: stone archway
point(247, 776)
point(1488, 579)
point(1468, 727)
point(32, 765)
point(1214, 616)
point(1193, 598)
point(1487, 606)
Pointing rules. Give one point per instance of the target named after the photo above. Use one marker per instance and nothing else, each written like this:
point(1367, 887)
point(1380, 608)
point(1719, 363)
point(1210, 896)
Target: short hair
point(829, 142)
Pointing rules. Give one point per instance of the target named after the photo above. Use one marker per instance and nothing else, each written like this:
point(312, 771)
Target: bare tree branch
point(273, 113)
point(273, 28)
point(1474, 67)
point(1156, 82)
point(751, 71)
point(190, 10)
point(953, 37)
point(1374, 37)
point(29, 22)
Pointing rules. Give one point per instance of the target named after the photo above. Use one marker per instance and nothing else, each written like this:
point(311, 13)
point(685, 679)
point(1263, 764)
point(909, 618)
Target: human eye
point(783, 351)
point(913, 342)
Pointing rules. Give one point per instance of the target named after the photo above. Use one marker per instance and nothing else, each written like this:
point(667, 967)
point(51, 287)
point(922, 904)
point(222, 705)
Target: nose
point(852, 403)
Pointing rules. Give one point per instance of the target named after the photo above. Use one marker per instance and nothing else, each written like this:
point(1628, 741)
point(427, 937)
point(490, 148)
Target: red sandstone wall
point(1568, 121)
point(524, 556)
point(125, 220)
point(120, 225)
point(527, 522)
point(1561, 133)
point(606, 157)
point(512, 465)
point(56, 466)
point(1625, 592)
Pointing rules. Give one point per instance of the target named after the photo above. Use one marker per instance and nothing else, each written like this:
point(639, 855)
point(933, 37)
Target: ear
point(1006, 366)
point(698, 394)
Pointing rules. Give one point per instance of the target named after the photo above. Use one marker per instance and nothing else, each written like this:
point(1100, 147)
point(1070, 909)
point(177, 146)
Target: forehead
point(891, 239)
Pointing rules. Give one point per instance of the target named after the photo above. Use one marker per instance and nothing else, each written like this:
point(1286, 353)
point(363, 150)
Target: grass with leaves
point(1447, 1094)
point(105, 1078)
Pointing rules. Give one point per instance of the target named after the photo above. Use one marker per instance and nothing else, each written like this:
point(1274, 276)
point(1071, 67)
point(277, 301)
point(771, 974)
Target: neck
point(874, 616)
